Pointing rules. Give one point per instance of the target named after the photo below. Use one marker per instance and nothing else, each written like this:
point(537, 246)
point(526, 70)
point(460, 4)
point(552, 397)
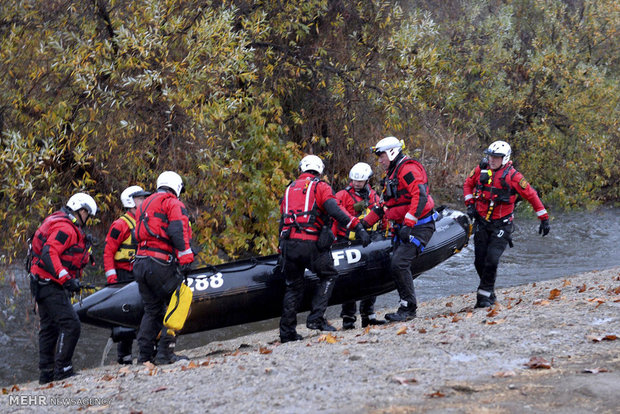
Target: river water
point(578, 242)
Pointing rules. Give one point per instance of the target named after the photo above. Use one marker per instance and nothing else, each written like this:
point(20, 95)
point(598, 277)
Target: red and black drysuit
point(60, 251)
point(493, 194)
point(164, 236)
point(409, 208)
point(118, 256)
point(356, 203)
point(306, 208)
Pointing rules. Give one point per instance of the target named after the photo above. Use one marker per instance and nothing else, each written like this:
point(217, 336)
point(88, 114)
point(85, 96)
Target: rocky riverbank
point(545, 347)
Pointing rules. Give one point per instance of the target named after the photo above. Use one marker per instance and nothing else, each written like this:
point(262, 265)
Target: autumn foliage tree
point(102, 94)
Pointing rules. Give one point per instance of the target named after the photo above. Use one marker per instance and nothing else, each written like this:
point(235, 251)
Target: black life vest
point(392, 195)
point(486, 190)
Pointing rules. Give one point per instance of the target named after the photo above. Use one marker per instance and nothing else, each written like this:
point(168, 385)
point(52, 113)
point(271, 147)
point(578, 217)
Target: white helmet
point(499, 149)
point(360, 172)
point(82, 200)
point(129, 193)
point(390, 145)
point(311, 163)
point(171, 180)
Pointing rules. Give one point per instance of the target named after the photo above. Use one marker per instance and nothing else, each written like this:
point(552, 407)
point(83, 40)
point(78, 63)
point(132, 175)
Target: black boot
point(290, 338)
point(348, 323)
point(64, 373)
point(372, 321)
point(125, 360)
point(321, 325)
point(484, 300)
point(46, 375)
point(404, 313)
point(165, 351)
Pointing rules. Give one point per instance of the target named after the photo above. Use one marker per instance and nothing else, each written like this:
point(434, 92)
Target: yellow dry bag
point(178, 309)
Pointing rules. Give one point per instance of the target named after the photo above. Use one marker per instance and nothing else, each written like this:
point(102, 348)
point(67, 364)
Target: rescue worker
point(490, 193)
point(409, 208)
point(118, 257)
point(164, 255)
point(357, 199)
point(305, 243)
point(59, 251)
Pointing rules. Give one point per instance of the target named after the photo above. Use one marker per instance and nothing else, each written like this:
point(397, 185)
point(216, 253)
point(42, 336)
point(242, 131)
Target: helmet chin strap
point(82, 220)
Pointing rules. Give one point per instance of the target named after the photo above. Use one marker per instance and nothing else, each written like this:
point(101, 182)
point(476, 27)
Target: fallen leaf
point(582, 288)
point(205, 363)
point(599, 338)
point(493, 312)
point(504, 374)
point(264, 351)
point(160, 389)
point(469, 314)
point(124, 370)
point(456, 318)
point(149, 365)
point(449, 305)
point(402, 330)
point(566, 282)
point(496, 322)
point(594, 370)
point(14, 388)
point(67, 385)
point(422, 330)
point(329, 338)
point(541, 302)
point(107, 377)
point(554, 294)
point(538, 363)
point(404, 381)
point(191, 365)
point(436, 394)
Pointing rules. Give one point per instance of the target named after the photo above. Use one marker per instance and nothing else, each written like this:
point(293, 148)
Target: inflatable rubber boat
point(252, 290)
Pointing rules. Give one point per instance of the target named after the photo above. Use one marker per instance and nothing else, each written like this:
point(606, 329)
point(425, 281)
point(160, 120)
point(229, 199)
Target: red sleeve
point(470, 185)
point(518, 182)
point(119, 231)
point(418, 198)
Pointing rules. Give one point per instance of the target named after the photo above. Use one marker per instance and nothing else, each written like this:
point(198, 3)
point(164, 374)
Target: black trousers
point(403, 256)
point(297, 256)
point(367, 308)
point(490, 240)
point(157, 281)
point(60, 328)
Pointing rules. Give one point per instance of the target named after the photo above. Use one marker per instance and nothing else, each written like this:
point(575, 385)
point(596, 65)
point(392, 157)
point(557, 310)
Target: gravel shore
point(546, 347)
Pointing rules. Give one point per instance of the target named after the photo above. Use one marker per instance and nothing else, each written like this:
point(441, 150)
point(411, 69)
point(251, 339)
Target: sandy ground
point(549, 347)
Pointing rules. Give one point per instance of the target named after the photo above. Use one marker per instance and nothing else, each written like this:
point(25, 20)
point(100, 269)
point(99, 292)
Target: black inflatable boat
point(252, 290)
